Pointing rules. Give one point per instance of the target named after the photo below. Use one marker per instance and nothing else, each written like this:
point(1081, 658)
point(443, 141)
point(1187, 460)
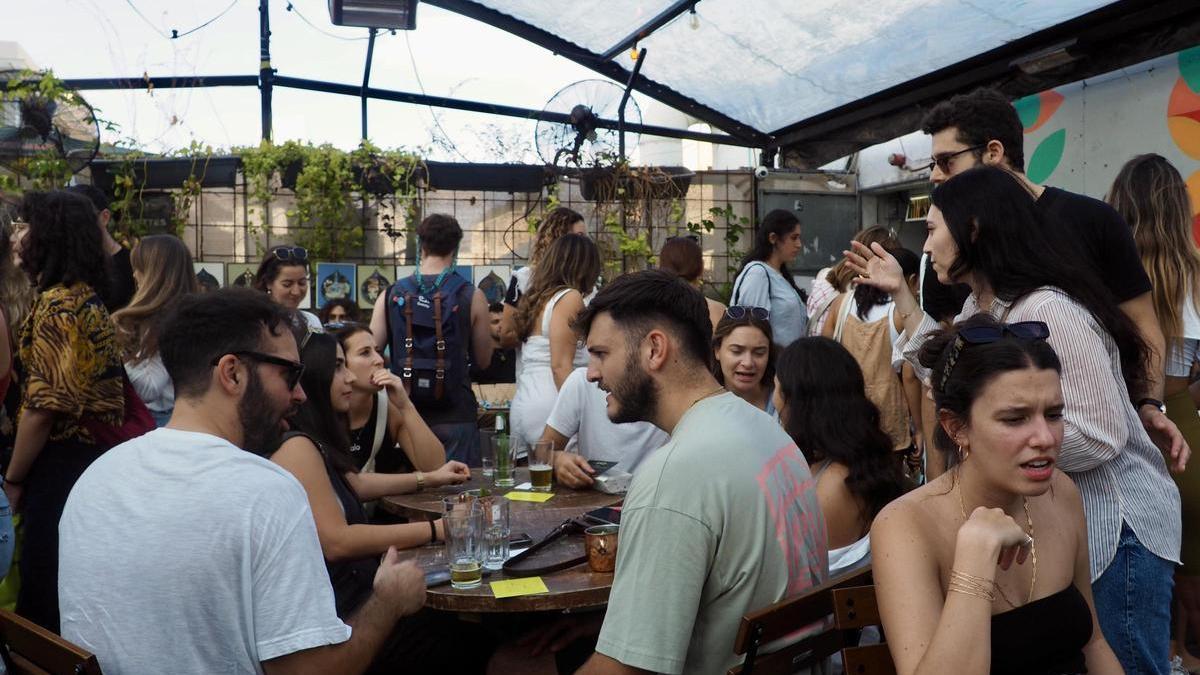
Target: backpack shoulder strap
point(843, 312)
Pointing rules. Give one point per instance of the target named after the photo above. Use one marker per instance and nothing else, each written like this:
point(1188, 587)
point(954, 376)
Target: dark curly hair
point(827, 413)
point(63, 245)
point(979, 117)
point(439, 234)
point(974, 367)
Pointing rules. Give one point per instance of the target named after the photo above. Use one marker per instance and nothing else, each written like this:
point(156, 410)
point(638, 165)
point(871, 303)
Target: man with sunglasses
point(185, 550)
point(982, 127)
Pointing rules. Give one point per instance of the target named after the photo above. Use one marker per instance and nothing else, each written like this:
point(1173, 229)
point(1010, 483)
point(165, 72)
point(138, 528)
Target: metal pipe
point(265, 73)
point(366, 80)
point(642, 32)
point(637, 66)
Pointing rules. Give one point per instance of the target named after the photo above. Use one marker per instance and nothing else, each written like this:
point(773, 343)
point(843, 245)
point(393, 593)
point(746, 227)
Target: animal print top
point(70, 361)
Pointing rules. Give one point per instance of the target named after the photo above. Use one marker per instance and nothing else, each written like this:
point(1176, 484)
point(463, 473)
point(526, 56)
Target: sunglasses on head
point(739, 312)
point(338, 325)
point(942, 160)
point(289, 253)
point(294, 370)
point(982, 335)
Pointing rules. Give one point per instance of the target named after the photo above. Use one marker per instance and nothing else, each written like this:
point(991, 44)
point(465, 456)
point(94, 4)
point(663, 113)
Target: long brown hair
point(556, 224)
point(167, 274)
point(16, 293)
point(1152, 197)
point(572, 261)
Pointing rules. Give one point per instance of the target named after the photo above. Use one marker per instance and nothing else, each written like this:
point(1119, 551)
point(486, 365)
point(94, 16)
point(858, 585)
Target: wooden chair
point(849, 598)
point(30, 649)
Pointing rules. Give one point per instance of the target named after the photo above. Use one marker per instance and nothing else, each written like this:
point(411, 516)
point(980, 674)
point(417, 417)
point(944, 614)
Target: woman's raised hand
point(990, 529)
point(386, 379)
point(874, 267)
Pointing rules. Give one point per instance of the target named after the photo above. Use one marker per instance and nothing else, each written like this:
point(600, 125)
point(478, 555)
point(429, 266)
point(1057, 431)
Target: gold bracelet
point(420, 481)
point(986, 595)
point(969, 584)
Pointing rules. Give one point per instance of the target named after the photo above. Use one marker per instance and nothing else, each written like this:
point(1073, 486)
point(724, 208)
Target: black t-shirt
point(1086, 225)
point(120, 284)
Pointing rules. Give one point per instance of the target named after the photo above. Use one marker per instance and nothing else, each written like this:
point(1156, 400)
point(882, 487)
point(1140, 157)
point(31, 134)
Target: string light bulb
point(694, 19)
point(634, 53)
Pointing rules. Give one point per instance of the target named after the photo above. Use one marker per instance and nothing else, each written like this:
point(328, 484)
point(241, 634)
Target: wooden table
point(574, 588)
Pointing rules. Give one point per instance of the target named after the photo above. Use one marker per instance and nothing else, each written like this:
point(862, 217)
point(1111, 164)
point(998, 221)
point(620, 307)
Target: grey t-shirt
point(720, 521)
point(181, 553)
point(760, 285)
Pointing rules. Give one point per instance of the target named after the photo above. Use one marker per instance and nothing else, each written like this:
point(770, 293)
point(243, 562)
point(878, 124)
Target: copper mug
point(601, 542)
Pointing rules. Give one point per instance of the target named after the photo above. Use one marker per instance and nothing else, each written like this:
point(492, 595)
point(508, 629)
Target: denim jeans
point(1133, 603)
point(461, 440)
point(7, 538)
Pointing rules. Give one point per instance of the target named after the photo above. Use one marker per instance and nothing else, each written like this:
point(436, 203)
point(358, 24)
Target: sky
point(451, 55)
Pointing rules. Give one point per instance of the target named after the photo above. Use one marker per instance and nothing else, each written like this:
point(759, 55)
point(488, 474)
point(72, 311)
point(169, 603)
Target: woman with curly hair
point(823, 404)
point(71, 379)
point(550, 350)
point(163, 273)
point(560, 222)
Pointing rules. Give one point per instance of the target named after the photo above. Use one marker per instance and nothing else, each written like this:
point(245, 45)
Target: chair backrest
point(848, 597)
point(33, 650)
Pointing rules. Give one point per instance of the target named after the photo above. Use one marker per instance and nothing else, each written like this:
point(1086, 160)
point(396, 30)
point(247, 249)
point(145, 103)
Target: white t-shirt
point(580, 413)
point(179, 552)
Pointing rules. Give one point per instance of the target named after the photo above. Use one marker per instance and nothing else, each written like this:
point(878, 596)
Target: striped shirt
point(1120, 473)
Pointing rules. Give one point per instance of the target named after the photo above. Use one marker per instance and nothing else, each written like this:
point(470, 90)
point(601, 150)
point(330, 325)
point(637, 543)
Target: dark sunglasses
point(982, 335)
point(942, 159)
point(289, 253)
point(294, 369)
point(739, 312)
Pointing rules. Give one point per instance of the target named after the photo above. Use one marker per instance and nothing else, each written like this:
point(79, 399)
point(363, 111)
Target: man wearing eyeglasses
point(184, 550)
point(982, 127)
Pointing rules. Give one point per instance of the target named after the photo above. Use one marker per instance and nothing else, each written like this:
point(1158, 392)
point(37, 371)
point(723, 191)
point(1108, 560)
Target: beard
point(261, 428)
point(636, 395)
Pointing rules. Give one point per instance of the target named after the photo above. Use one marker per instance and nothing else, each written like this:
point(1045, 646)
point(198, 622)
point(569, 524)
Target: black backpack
point(428, 337)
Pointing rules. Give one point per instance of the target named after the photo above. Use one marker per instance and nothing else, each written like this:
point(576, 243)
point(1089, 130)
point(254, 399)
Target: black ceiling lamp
point(382, 14)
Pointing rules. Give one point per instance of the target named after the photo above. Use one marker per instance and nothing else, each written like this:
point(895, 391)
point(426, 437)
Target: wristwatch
point(1162, 407)
point(421, 479)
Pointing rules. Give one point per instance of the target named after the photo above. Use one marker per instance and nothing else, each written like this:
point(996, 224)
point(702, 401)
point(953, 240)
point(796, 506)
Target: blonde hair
point(16, 290)
point(572, 261)
point(1152, 197)
point(556, 224)
point(167, 274)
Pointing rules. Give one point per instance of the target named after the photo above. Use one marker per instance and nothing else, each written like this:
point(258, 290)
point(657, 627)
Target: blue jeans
point(7, 538)
point(1133, 604)
point(461, 440)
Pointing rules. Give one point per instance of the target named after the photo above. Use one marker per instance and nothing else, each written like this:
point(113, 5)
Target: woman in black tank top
point(985, 569)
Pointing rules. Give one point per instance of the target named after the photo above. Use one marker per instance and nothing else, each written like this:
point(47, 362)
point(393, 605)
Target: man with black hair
point(720, 521)
point(983, 128)
point(120, 285)
point(184, 550)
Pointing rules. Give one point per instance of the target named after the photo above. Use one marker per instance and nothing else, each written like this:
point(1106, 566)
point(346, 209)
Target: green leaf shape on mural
point(1028, 108)
point(1189, 68)
point(1046, 157)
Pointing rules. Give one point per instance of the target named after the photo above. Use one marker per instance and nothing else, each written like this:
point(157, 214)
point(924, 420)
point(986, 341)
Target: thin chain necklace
point(1032, 542)
point(714, 392)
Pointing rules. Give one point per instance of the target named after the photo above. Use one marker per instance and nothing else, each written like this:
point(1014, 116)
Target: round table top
point(570, 589)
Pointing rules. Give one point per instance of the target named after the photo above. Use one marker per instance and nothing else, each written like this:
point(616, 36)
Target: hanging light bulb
point(633, 53)
point(694, 19)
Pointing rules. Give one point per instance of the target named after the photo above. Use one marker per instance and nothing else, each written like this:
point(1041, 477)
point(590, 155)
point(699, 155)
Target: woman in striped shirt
point(984, 230)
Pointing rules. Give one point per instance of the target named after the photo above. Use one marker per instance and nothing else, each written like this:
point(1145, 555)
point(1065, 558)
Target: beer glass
point(541, 466)
point(464, 544)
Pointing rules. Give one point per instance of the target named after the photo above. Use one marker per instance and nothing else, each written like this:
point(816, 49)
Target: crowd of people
point(999, 426)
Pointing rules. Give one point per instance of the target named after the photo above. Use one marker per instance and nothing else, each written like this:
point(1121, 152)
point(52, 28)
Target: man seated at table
point(579, 421)
point(184, 551)
point(720, 521)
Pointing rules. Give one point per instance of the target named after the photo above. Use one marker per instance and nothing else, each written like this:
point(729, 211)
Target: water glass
point(464, 545)
point(505, 455)
point(487, 455)
point(495, 540)
point(541, 466)
point(457, 502)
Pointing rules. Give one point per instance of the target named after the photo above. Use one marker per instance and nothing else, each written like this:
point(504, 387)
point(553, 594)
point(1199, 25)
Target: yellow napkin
point(511, 588)
point(536, 497)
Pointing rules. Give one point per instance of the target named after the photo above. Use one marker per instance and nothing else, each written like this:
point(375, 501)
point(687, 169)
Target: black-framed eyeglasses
point(294, 369)
point(290, 253)
point(739, 312)
point(942, 159)
point(982, 335)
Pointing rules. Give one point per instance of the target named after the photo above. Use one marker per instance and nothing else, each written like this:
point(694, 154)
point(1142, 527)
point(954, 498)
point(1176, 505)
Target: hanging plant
point(631, 201)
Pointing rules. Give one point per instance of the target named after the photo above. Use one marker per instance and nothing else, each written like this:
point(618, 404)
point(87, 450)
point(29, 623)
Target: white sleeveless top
point(536, 392)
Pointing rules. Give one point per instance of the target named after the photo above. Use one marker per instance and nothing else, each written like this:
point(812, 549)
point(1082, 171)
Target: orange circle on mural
point(1183, 120)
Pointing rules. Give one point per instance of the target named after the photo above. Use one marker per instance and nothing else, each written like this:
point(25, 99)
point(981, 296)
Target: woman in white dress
point(550, 349)
point(823, 405)
point(163, 273)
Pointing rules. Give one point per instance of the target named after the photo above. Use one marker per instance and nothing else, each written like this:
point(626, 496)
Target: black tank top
point(352, 580)
point(1044, 637)
point(391, 458)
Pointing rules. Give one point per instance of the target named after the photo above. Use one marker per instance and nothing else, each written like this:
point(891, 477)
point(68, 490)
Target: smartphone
point(600, 466)
point(606, 515)
point(520, 541)
point(437, 578)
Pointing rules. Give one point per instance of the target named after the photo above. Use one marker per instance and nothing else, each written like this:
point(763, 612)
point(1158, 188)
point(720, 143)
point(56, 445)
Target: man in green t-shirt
point(720, 521)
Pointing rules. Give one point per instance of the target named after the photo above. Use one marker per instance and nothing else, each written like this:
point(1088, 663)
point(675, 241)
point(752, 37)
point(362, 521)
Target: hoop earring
point(962, 456)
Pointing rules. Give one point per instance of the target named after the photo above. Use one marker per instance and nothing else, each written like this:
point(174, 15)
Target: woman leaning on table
point(984, 230)
point(996, 547)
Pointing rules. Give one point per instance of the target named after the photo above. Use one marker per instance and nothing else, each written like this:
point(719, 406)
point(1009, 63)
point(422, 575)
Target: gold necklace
point(711, 393)
point(1032, 543)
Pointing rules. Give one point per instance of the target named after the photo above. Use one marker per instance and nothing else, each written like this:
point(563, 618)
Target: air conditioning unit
point(386, 14)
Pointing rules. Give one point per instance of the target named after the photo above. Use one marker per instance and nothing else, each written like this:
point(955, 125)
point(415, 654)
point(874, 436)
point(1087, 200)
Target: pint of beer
point(541, 466)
